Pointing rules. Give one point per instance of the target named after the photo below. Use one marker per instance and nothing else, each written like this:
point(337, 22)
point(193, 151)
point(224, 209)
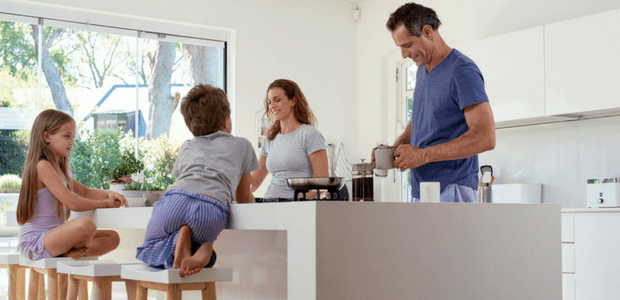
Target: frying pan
point(313, 183)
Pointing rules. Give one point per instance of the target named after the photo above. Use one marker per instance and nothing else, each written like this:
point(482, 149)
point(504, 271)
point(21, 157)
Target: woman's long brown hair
point(47, 121)
point(301, 109)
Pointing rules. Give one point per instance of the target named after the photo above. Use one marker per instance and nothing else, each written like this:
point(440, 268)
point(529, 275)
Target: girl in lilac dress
point(49, 193)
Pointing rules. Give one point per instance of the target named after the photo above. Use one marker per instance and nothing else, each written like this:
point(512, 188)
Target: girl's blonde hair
point(301, 109)
point(49, 121)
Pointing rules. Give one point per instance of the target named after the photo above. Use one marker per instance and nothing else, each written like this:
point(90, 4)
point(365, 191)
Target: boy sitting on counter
point(211, 170)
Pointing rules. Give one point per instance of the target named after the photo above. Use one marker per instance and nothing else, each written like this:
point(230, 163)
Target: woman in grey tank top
point(293, 146)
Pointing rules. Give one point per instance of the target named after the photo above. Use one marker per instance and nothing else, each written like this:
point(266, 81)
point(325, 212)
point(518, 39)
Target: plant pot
point(117, 187)
point(132, 193)
point(152, 197)
point(120, 188)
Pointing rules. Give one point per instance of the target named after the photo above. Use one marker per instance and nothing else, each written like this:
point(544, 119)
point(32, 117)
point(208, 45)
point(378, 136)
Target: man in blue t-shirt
point(451, 119)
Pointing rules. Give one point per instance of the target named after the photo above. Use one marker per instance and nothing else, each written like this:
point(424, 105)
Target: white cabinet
point(597, 259)
point(513, 69)
point(582, 64)
point(591, 261)
point(568, 256)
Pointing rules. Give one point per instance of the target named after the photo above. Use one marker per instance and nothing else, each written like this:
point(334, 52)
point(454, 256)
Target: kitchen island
point(361, 250)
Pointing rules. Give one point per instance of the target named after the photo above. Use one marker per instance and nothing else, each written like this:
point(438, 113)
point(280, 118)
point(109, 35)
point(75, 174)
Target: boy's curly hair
point(205, 109)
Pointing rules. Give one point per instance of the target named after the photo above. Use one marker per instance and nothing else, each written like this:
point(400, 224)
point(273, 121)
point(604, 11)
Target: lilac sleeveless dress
point(45, 219)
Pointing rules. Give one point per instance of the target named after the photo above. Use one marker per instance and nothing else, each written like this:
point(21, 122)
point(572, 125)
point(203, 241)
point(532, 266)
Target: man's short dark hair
point(205, 109)
point(413, 16)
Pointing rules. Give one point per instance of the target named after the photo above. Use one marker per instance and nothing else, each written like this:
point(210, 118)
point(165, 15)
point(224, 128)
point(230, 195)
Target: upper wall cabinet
point(513, 69)
point(582, 64)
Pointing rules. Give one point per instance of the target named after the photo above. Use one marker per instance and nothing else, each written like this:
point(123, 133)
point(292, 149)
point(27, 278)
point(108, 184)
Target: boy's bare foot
point(183, 248)
point(192, 265)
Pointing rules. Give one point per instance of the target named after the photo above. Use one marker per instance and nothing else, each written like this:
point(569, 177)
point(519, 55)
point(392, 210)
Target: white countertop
point(591, 210)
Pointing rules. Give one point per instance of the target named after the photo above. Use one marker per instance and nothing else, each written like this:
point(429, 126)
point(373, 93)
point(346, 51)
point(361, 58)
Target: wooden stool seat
point(17, 275)
point(170, 281)
point(57, 283)
point(100, 272)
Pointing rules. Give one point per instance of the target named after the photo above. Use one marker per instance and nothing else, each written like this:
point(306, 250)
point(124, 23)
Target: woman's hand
point(116, 200)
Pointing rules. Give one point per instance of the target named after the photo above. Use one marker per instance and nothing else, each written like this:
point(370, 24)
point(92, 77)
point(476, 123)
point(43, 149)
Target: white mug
point(430, 192)
point(384, 160)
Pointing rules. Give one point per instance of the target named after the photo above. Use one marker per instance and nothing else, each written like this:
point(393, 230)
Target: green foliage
point(92, 158)
point(12, 85)
point(6, 206)
point(17, 49)
point(122, 165)
point(135, 186)
point(10, 183)
point(12, 152)
point(163, 153)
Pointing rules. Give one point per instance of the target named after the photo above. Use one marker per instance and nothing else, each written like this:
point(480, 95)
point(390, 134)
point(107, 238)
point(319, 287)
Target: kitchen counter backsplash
point(560, 156)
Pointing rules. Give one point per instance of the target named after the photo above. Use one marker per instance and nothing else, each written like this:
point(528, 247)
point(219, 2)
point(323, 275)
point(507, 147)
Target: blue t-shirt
point(437, 117)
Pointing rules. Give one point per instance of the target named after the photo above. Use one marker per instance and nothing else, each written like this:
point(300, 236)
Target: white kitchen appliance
point(603, 193)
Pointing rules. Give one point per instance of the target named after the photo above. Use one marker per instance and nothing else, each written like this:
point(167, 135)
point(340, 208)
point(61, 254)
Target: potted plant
point(120, 171)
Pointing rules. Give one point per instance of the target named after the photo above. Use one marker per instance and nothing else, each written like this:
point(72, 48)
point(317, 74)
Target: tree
point(50, 69)
point(99, 52)
point(202, 64)
point(162, 103)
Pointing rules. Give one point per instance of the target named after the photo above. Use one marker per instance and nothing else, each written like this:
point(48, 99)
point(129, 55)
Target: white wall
point(310, 42)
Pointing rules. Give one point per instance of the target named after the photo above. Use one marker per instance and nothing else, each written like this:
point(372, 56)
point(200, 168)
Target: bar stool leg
point(41, 294)
point(17, 282)
point(130, 286)
point(83, 290)
point(63, 281)
point(141, 292)
point(33, 287)
point(21, 283)
point(102, 288)
point(173, 292)
point(52, 283)
point(73, 289)
point(209, 292)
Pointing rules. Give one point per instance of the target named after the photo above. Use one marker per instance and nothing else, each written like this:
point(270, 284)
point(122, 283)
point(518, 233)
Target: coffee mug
point(430, 192)
point(384, 160)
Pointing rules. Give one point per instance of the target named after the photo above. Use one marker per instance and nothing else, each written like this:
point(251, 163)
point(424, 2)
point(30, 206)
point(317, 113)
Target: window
point(110, 72)
point(407, 71)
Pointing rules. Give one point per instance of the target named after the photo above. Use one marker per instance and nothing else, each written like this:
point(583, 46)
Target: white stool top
point(47, 263)
point(143, 272)
point(91, 268)
point(9, 258)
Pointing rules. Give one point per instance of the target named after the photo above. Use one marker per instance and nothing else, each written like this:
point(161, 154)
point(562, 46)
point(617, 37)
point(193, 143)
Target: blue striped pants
point(206, 217)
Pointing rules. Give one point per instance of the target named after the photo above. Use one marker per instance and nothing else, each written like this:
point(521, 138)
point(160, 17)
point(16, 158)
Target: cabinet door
point(568, 287)
point(597, 263)
point(513, 69)
point(582, 64)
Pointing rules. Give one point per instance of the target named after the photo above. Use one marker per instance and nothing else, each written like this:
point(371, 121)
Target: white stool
point(17, 275)
point(170, 281)
point(101, 273)
point(57, 283)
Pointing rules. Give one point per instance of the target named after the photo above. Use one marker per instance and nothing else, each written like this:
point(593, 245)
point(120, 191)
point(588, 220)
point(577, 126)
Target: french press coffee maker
point(362, 182)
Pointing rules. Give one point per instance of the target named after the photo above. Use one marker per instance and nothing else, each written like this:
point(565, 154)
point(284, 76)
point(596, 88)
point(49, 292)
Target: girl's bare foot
point(77, 253)
point(183, 248)
point(193, 264)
